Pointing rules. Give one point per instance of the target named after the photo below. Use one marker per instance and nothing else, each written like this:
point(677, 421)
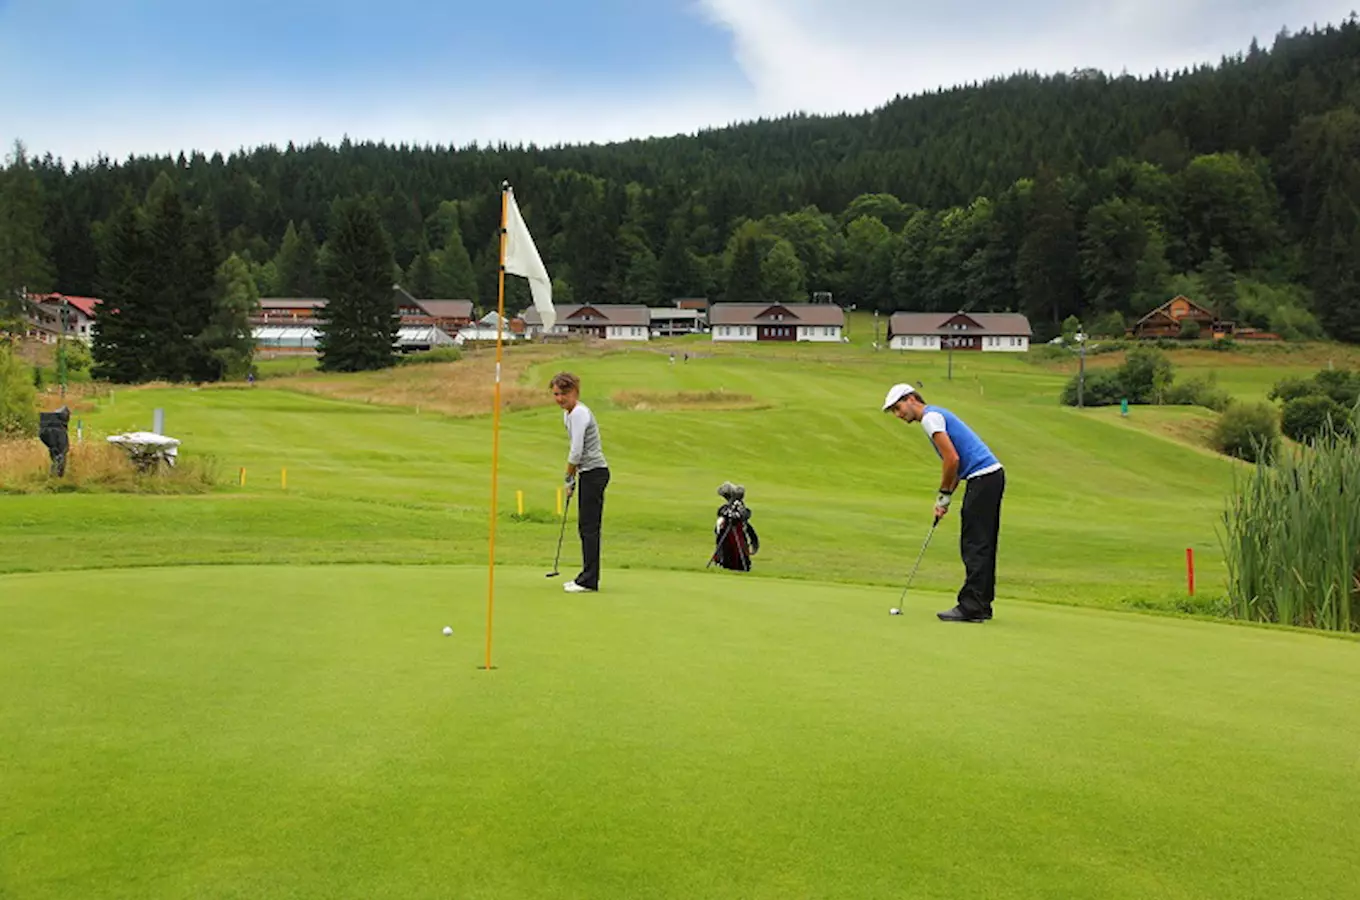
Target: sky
point(81, 78)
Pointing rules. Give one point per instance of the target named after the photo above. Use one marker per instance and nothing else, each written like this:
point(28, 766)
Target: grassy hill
point(199, 704)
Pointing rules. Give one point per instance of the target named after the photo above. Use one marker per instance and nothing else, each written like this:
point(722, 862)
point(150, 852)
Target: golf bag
point(52, 431)
point(737, 540)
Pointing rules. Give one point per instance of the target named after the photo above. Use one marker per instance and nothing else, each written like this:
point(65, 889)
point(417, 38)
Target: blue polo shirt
point(975, 457)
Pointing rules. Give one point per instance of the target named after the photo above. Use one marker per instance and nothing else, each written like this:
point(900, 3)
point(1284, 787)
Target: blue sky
point(82, 77)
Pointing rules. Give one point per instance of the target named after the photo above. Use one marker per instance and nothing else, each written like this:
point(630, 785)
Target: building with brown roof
point(821, 322)
point(606, 321)
point(987, 332)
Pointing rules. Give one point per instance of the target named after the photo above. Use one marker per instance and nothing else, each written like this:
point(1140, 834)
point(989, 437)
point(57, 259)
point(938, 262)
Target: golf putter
point(558, 557)
point(919, 557)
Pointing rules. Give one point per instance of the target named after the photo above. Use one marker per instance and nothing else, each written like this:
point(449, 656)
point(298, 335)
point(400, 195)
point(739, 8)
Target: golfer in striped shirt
point(587, 471)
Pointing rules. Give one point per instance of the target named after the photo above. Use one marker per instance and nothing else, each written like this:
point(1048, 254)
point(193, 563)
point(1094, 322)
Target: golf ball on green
point(894, 611)
point(448, 630)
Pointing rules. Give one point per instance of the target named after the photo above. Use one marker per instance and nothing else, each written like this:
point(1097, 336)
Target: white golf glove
point(942, 499)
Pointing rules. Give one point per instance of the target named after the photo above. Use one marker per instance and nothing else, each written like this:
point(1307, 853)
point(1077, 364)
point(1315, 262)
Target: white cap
point(895, 393)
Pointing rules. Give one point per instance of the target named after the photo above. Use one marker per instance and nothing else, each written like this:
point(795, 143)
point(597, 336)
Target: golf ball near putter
point(894, 611)
point(448, 630)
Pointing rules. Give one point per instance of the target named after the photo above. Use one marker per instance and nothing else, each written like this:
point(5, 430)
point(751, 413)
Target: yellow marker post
point(283, 478)
point(559, 501)
point(519, 502)
point(243, 476)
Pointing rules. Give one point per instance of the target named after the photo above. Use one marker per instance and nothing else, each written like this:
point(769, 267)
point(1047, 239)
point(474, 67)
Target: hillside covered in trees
point(1083, 193)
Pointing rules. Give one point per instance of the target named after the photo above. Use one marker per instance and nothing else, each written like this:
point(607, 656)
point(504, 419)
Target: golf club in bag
point(558, 558)
point(737, 540)
point(898, 608)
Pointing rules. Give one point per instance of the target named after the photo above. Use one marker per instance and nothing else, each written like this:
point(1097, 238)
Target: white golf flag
point(521, 258)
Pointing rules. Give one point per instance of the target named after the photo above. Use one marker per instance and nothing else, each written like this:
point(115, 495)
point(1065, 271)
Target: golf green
point(307, 731)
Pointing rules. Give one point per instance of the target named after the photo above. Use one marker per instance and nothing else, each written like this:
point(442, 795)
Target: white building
point(675, 322)
point(987, 332)
point(608, 321)
point(820, 322)
point(484, 329)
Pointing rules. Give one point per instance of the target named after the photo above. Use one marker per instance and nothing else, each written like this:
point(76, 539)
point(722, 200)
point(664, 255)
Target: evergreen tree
point(451, 273)
point(360, 322)
point(743, 277)
point(419, 277)
point(1046, 270)
point(677, 274)
point(1220, 284)
point(125, 322)
point(23, 242)
point(296, 262)
point(1336, 266)
point(227, 339)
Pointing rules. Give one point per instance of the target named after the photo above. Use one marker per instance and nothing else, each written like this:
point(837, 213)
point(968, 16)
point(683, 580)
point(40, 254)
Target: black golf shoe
point(958, 615)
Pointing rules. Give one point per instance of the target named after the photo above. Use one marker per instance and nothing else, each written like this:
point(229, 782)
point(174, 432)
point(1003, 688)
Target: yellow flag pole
point(496, 430)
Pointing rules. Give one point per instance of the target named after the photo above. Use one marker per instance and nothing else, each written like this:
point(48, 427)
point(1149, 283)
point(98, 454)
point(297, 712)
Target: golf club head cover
point(725, 490)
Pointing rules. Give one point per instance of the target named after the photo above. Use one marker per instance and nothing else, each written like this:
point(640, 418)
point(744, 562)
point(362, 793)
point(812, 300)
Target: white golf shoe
point(572, 587)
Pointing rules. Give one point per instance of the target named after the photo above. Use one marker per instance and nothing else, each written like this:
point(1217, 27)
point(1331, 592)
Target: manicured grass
point(308, 732)
point(1099, 510)
point(183, 719)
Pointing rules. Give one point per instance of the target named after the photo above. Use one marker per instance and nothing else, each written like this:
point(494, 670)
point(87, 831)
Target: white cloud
point(851, 55)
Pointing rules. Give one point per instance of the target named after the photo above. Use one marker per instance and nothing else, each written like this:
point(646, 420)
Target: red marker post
point(1190, 569)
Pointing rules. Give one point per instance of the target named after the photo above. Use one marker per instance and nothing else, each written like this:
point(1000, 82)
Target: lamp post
point(875, 329)
point(61, 344)
point(1081, 368)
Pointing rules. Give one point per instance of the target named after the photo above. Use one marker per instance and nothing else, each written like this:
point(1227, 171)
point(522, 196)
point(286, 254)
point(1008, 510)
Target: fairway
point(308, 732)
point(246, 693)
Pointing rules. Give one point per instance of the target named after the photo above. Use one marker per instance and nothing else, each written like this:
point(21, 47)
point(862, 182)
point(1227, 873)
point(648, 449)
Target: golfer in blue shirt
point(964, 458)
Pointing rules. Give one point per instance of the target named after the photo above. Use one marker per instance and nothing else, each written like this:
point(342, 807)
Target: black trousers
point(590, 511)
point(978, 532)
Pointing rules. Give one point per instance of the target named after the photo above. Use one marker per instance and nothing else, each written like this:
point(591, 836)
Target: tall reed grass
point(96, 466)
point(1291, 537)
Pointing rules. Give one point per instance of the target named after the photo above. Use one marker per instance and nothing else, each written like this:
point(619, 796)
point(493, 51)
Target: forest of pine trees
point(1081, 194)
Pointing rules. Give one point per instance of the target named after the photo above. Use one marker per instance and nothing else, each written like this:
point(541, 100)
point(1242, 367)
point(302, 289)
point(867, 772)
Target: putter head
point(552, 574)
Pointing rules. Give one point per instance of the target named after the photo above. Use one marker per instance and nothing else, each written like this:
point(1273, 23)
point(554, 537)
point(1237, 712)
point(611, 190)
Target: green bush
point(1287, 389)
point(1109, 325)
point(1189, 330)
point(1103, 388)
point(18, 416)
point(1306, 419)
point(1200, 391)
point(1146, 375)
point(1249, 431)
point(1341, 385)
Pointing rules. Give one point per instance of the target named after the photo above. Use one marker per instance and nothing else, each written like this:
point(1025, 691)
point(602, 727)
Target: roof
point(292, 302)
point(447, 309)
point(85, 304)
point(621, 314)
point(761, 313)
point(1165, 309)
point(1002, 324)
point(676, 315)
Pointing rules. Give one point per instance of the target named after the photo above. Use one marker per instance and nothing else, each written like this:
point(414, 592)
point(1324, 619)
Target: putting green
point(255, 731)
